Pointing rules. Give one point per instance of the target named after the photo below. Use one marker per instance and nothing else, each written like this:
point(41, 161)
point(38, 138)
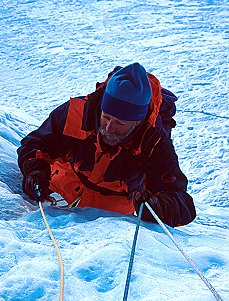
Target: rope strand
point(132, 254)
point(58, 253)
point(202, 112)
point(208, 284)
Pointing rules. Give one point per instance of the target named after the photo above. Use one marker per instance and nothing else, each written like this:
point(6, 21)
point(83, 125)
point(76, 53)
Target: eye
point(120, 123)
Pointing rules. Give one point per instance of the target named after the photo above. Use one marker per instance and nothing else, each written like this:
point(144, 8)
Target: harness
point(87, 183)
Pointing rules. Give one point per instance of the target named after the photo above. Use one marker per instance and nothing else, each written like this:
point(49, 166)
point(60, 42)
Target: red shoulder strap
point(73, 122)
point(156, 99)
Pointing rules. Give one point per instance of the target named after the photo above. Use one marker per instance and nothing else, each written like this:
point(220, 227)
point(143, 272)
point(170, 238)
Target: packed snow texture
point(51, 50)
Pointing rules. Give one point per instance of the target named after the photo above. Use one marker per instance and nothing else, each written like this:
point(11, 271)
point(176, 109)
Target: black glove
point(36, 171)
point(151, 199)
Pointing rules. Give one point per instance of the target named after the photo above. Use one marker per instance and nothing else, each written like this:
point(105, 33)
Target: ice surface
point(51, 50)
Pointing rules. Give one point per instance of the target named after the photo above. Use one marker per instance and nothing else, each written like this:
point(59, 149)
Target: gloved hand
point(36, 171)
point(151, 199)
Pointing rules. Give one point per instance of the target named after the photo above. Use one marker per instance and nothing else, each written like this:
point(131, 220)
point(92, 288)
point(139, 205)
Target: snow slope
point(51, 50)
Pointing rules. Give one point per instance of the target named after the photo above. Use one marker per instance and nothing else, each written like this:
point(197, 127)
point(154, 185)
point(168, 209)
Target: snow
point(51, 50)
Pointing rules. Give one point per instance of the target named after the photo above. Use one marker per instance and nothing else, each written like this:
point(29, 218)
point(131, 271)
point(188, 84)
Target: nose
point(110, 127)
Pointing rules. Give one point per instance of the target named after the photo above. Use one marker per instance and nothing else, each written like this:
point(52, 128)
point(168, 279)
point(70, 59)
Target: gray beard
point(112, 139)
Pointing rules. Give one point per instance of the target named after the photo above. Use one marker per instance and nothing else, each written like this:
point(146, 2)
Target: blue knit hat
point(127, 93)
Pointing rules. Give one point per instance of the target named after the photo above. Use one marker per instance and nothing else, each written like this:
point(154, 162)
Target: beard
point(113, 139)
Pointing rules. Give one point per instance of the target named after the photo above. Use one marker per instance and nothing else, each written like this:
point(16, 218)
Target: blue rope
point(211, 288)
point(132, 254)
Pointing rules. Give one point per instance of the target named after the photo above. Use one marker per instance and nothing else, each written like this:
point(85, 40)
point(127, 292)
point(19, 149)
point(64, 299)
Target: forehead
point(107, 117)
point(110, 117)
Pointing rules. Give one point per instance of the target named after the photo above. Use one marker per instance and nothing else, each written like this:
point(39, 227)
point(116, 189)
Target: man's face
point(114, 130)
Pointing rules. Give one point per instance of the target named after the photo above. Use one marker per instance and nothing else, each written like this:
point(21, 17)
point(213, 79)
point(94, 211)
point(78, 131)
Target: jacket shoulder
point(74, 120)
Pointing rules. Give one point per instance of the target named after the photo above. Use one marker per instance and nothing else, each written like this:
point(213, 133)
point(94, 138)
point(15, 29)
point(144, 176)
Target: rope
point(202, 112)
point(132, 254)
point(208, 284)
point(126, 291)
point(58, 253)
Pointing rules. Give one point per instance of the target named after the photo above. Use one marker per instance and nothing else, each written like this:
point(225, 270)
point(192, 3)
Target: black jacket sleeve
point(165, 180)
point(48, 138)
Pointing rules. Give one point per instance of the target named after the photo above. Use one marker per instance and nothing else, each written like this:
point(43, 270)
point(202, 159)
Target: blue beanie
point(127, 93)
